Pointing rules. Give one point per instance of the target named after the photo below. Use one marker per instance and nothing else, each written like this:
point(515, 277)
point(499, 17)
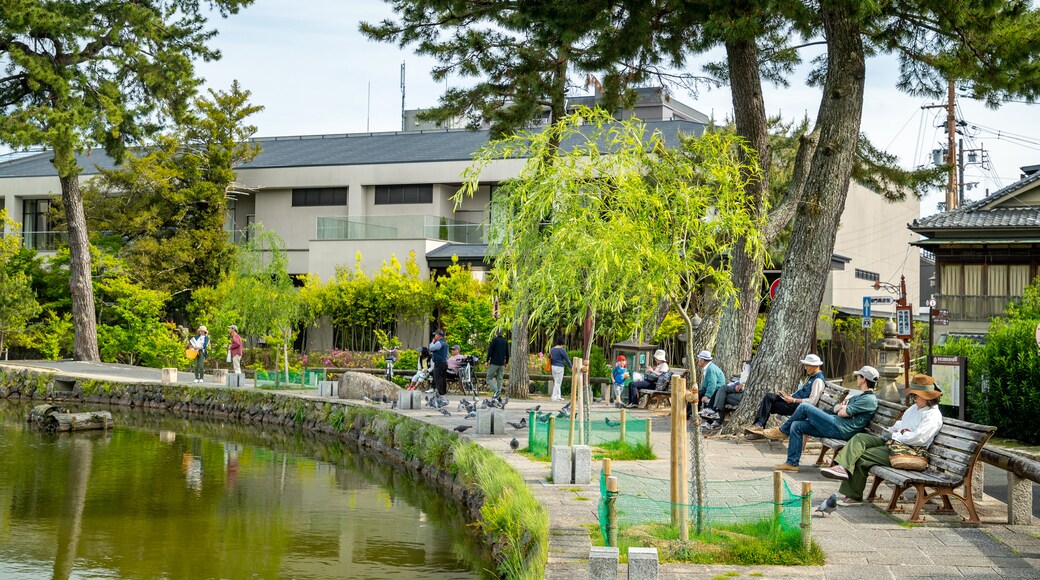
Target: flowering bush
point(536, 363)
point(342, 359)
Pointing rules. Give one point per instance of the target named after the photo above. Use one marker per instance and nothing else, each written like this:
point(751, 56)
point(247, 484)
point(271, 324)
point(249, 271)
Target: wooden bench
point(951, 460)
point(655, 397)
point(886, 416)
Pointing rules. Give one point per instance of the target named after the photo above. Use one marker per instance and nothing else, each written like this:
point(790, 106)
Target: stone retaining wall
point(421, 448)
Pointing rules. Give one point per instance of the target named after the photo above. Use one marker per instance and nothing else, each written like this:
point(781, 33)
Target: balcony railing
point(44, 241)
point(398, 228)
point(973, 308)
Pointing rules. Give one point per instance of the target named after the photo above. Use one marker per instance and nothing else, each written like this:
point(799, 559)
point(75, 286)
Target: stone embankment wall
point(515, 526)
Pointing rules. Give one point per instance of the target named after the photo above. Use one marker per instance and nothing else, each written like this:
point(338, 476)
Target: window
point(315, 196)
point(36, 224)
point(397, 194)
point(865, 275)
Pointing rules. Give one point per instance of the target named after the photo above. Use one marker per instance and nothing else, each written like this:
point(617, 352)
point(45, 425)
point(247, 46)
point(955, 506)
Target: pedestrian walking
point(497, 359)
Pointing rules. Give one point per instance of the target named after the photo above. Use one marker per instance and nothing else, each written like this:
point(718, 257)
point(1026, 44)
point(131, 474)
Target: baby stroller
point(423, 378)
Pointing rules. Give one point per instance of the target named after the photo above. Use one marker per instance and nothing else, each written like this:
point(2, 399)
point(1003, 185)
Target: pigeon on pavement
point(462, 428)
point(828, 505)
point(612, 423)
point(543, 418)
point(471, 415)
point(566, 408)
point(514, 444)
point(502, 403)
point(445, 412)
point(515, 425)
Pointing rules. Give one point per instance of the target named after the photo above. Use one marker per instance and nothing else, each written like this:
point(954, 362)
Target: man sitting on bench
point(783, 404)
point(726, 397)
point(454, 363)
point(650, 379)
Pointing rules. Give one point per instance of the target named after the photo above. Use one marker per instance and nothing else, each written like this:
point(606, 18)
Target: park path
point(860, 542)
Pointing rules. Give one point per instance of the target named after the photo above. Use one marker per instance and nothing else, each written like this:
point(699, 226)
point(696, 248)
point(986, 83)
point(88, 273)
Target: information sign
point(951, 376)
point(904, 322)
point(882, 299)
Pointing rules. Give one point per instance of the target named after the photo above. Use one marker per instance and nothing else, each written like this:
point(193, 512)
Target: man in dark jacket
point(439, 354)
point(497, 359)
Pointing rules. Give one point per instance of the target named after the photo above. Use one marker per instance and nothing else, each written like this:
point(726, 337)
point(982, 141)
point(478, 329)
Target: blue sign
point(866, 306)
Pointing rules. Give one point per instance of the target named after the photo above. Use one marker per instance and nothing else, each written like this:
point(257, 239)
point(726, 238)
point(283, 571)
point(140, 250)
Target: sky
point(307, 64)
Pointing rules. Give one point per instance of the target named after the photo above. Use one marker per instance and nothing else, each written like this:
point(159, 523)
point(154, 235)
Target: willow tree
point(80, 74)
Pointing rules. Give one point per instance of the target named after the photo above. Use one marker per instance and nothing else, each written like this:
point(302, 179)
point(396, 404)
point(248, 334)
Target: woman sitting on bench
point(649, 380)
point(915, 430)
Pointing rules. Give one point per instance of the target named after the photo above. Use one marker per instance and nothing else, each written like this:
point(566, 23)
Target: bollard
point(612, 526)
point(169, 376)
point(581, 472)
point(561, 464)
point(642, 564)
point(603, 563)
point(806, 513)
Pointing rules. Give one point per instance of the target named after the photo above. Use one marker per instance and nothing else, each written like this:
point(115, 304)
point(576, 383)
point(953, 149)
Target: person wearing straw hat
point(917, 429)
point(650, 378)
point(844, 420)
point(200, 342)
point(783, 404)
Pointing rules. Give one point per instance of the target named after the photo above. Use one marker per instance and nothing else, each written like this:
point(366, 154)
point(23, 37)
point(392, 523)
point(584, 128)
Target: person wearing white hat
point(200, 342)
point(652, 377)
point(843, 421)
point(712, 380)
point(783, 404)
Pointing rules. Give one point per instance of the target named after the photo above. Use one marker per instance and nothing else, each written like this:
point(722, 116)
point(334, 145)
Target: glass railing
point(44, 241)
point(399, 228)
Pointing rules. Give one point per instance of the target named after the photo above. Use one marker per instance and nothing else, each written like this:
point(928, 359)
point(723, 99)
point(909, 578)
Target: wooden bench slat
point(951, 455)
point(954, 443)
point(972, 435)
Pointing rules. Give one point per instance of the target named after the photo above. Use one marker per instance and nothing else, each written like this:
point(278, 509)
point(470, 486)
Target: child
point(619, 373)
point(424, 369)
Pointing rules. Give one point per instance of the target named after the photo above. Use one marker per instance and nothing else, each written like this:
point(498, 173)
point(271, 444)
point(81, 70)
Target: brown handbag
point(907, 457)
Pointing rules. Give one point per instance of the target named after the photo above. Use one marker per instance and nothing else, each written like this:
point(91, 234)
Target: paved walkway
point(859, 542)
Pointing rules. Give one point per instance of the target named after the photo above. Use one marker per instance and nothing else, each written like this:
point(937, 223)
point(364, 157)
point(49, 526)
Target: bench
point(657, 397)
point(886, 416)
point(951, 459)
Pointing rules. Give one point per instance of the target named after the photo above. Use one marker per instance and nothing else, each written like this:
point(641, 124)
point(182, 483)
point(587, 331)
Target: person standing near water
point(235, 349)
point(200, 342)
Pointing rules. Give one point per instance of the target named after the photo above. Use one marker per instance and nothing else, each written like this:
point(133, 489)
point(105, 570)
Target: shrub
point(1012, 395)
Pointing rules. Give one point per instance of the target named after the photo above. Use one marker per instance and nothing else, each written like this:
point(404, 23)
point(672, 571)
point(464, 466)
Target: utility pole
point(404, 121)
point(951, 134)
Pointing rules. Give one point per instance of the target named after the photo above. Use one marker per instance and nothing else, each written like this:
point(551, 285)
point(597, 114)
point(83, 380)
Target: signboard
point(867, 323)
point(866, 306)
point(774, 288)
point(904, 321)
point(882, 299)
point(951, 375)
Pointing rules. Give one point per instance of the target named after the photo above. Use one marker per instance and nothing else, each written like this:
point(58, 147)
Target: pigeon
point(471, 415)
point(502, 403)
point(386, 399)
point(445, 412)
point(533, 409)
point(514, 445)
point(514, 425)
point(828, 505)
point(462, 428)
point(366, 399)
point(618, 405)
point(563, 415)
point(612, 423)
point(394, 404)
point(543, 418)
point(484, 404)
point(597, 399)
point(462, 405)
point(566, 408)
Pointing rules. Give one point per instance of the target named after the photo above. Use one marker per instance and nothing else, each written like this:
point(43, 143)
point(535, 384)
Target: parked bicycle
point(467, 378)
point(391, 357)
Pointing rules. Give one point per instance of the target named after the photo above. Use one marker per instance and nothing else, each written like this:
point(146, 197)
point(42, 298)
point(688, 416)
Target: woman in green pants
point(917, 428)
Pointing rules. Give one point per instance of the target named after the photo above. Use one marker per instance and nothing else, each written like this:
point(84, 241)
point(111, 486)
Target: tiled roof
point(346, 149)
point(974, 214)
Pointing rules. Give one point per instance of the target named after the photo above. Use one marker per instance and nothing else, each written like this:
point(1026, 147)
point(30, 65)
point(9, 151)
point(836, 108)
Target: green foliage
point(52, 336)
point(977, 410)
point(170, 204)
point(130, 330)
point(1012, 398)
point(624, 451)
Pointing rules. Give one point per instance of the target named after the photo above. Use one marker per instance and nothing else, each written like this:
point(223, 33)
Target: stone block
point(642, 564)
point(405, 400)
point(978, 483)
point(1020, 499)
point(220, 376)
point(603, 563)
point(582, 469)
point(498, 422)
point(561, 464)
point(327, 389)
point(236, 380)
point(169, 376)
point(484, 418)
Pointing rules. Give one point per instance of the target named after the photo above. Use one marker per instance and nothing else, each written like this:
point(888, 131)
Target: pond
point(168, 497)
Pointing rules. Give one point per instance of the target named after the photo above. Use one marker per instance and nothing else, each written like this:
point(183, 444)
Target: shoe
point(849, 502)
point(753, 430)
point(428, 391)
point(774, 434)
point(785, 467)
point(835, 472)
point(709, 413)
point(754, 437)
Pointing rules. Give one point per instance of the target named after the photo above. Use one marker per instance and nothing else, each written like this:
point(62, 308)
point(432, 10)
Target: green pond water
point(165, 497)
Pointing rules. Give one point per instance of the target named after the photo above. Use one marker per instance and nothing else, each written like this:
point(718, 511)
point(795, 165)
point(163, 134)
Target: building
point(986, 252)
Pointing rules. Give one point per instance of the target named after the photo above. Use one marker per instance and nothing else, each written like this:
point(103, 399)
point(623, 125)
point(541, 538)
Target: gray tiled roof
point(972, 215)
point(346, 149)
point(463, 251)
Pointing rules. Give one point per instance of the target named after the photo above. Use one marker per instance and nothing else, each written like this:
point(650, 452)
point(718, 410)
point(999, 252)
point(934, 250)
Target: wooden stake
point(806, 513)
point(778, 487)
point(552, 433)
point(606, 466)
point(679, 412)
point(575, 383)
point(612, 524)
point(673, 462)
point(624, 424)
point(649, 441)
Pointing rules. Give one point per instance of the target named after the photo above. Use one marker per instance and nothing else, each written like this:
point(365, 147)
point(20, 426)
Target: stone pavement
point(859, 542)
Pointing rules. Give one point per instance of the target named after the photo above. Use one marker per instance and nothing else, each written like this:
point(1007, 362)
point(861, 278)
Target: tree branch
point(785, 210)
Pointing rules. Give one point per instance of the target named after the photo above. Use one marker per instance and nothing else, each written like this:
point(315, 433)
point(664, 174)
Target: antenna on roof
point(368, 110)
point(403, 127)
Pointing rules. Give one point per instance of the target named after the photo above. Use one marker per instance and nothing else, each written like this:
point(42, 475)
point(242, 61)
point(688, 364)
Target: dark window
point(315, 196)
point(397, 194)
point(865, 275)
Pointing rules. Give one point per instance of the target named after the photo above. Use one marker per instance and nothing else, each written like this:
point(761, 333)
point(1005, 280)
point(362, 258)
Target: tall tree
point(87, 73)
point(168, 202)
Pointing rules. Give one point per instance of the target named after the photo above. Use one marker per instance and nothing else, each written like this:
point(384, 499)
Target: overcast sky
point(306, 62)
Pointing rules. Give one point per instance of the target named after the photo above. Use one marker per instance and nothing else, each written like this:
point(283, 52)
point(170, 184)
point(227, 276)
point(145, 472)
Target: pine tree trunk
point(807, 262)
point(519, 380)
point(737, 325)
point(85, 346)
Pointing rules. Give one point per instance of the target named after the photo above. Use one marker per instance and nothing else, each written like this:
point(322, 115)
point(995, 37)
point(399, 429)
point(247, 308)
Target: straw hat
point(924, 386)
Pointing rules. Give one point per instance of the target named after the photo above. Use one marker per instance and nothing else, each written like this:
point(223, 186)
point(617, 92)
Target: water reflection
point(173, 498)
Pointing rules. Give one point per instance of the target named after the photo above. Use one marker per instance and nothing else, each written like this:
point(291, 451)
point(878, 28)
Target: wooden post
point(806, 513)
point(606, 466)
point(552, 433)
point(778, 498)
point(673, 462)
point(624, 424)
point(649, 441)
point(679, 412)
point(612, 525)
point(575, 384)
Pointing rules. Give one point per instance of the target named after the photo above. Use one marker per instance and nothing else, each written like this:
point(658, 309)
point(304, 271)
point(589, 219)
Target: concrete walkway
point(859, 542)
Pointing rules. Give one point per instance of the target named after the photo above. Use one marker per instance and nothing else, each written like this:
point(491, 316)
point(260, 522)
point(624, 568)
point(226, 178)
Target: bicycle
point(466, 377)
point(391, 358)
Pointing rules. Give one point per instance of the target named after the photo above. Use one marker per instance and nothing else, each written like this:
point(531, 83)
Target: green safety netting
point(645, 500)
point(295, 379)
point(601, 428)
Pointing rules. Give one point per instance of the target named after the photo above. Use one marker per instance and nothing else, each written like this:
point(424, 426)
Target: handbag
point(907, 457)
point(548, 364)
point(190, 353)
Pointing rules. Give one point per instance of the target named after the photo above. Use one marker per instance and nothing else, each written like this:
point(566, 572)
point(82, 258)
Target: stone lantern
point(890, 356)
